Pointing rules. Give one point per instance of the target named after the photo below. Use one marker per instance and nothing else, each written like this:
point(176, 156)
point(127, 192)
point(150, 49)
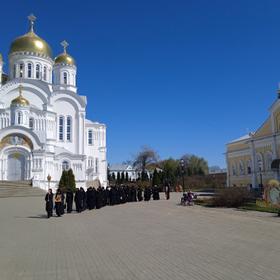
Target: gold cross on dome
point(20, 90)
point(64, 44)
point(31, 19)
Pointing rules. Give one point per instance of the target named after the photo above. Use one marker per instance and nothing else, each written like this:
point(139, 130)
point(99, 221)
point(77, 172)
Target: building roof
point(121, 167)
point(244, 137)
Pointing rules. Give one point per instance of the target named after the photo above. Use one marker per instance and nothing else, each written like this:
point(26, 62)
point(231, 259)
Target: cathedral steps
point(19, 189)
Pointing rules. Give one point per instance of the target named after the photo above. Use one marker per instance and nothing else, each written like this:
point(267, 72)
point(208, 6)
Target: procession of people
point(97, 198)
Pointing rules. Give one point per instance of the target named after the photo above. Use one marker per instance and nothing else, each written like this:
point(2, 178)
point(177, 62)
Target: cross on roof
point(64, 44)
point(20, 89)
point(31, 19)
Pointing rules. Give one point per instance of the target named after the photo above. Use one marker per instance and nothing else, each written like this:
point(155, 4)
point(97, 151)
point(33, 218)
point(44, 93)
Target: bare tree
point(144, 157)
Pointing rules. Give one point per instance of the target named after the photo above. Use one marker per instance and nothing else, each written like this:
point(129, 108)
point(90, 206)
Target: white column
point(253, 160)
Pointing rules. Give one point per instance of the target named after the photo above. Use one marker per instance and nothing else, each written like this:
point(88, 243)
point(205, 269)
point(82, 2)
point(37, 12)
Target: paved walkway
point(154, 240)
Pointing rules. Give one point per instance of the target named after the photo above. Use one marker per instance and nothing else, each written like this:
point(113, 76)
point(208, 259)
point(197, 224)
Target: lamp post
point(260, 170)
point(49, 180)
point(182, 165)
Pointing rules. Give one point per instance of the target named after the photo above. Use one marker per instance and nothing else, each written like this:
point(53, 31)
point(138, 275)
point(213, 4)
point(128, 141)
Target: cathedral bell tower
point(65, 70)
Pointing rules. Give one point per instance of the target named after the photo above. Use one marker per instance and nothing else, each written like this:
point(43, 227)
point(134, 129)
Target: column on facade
point(253, 167)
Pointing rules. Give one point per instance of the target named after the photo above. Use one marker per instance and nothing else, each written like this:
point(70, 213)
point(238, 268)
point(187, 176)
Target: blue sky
point(178, 76)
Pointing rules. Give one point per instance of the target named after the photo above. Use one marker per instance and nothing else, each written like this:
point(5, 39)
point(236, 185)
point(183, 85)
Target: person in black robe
point(78, 200)
point(167, 191)
point(49, 203)
point(69, 201)
point(98, 198)
point(83, 199)
point(147, 194)
point(155, 191)
point(63, 205)
point(58, 202)
point(134, 194)
point(108, 196)
point(118, 195)
point(90, 198)
point(139, 194)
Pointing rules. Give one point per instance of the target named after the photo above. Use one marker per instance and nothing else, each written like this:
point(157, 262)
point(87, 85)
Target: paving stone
point(146, 240)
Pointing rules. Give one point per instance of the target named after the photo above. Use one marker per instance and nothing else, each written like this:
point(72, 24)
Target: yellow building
point(254, 159)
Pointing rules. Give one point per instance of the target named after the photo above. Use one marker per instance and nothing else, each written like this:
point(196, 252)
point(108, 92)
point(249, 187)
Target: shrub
point(232, 197)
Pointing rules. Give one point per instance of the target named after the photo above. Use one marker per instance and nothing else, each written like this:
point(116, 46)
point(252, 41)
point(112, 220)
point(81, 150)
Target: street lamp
point(260, 170)
point(182, 165)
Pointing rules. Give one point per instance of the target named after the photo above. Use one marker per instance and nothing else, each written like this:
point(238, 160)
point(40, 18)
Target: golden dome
point(1, 58)
point(30, 42)
point(65, 58)
point(20, 100)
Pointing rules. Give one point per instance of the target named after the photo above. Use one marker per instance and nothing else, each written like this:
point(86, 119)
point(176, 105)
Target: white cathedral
point(43, 125)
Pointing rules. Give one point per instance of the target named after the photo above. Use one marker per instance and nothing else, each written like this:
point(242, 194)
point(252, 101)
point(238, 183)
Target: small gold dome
point(1, 58)
point(30, 42)
point(20, 100)
point(65, 58)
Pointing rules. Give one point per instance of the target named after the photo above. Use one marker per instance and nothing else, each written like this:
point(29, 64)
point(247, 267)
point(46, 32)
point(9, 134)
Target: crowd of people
point(97, 198)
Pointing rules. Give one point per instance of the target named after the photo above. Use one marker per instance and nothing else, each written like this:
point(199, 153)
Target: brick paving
point(153, 240)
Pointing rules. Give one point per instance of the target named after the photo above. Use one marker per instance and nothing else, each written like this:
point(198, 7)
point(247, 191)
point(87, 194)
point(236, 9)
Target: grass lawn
point(262, 208)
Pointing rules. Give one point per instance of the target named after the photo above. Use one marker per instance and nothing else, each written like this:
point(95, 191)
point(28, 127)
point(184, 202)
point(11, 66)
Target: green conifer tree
point(71, 181)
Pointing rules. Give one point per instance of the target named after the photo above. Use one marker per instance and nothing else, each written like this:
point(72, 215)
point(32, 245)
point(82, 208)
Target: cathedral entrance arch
point(16, 167)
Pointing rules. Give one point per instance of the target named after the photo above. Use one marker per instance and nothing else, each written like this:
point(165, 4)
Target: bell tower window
point(61, 128)
point(21, 66)
point(37, 71)
point(29, 70)
point(68, 128)
point(90, 137)
point(31, 123)
point(65, 78)
point(45, 73)
point(19, 118)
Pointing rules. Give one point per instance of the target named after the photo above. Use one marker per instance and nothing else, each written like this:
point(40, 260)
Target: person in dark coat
point(58, 203)
point(139, 194)
point(69, 201)
point(49, 203)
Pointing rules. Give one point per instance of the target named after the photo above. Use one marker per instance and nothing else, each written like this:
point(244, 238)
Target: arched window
point(233, 168)
point(45, 73)
point(65, 78)
point(90, 137)
point(68, 128)
point(65, 165)
point(259, 162)
point(21, 68)
point(249, 167)
point(241, 168)
point(14, 70)
point(19, 118)
point(96, 165)
point(268, 161)
point(31, 123)
point(29, 70)
point(61, 128)
point(37, 71)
